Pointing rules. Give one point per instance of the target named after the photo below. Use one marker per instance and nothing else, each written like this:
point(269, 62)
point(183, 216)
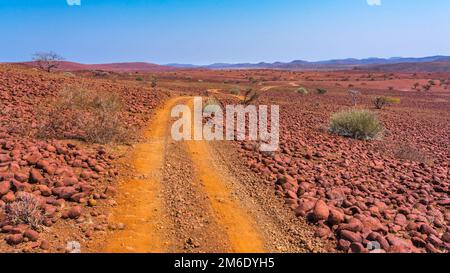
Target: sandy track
point(185, 198)
point(139, 205)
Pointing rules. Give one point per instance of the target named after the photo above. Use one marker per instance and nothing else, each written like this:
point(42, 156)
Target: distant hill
point(113, 67)
point(429, 67)
point(430, 63)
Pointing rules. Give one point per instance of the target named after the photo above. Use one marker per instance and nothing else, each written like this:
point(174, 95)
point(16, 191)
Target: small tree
point(47, 61)
point(154, 82)
point(354, 96)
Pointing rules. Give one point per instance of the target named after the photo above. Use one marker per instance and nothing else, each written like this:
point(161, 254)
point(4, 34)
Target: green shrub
point(302, 91)
point(358, 124)
point(139, 79)
point(321, 91)
point(380, 102)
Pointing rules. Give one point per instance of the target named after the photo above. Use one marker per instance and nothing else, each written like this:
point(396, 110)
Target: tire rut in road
point(195, 229)
point(139, 201)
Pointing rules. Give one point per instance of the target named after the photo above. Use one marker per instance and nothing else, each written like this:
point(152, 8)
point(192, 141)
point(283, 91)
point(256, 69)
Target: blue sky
point(208, 31)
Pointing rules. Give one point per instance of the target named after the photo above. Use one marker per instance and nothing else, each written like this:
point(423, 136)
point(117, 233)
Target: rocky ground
point(364, 196)
point(61, 184)
point(320, 192)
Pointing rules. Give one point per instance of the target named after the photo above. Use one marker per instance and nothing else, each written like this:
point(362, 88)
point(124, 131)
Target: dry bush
point(321, 91)
point(381, 102)
point(250, 96)
point(26, 209)
point(235, 91)
point(358, 124)
point(302, 91)
point(83, 114)
point(408, 152)
point(354, 96)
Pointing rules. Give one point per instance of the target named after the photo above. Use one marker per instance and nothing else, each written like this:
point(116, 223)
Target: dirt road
point(186, 197)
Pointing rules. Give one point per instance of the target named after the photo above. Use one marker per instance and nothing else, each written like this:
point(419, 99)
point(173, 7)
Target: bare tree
point(354, 95)
point(154, 83)
point(47, 60)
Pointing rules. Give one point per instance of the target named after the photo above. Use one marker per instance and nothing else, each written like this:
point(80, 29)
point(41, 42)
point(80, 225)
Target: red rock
point(45, 245)
point(22, 186)
point(355, 227)
point(36, 176)
point(77, 197)
point(9, 197)
point(14, 239)
point(336, 217)
point(99, 168)
point(110, 191)
point(21, 177)
point(4, 158)
point(446, 237)
point(351, 236)
point(412, 226)
point(358, 248)
point(34, 158)
point(31, 235)
point(85, 174)
point(426, 229)
point(321, 211)
point(401, 220)
point(45, 190)
point(322, 232)
point(430, 248)
point(45, 165)
point(64, 192)
point(435, 241)
point(5, 186)
point(70, 181)
point(418, 242)
point(75, 212)
point(343, 245)
point(7, 229)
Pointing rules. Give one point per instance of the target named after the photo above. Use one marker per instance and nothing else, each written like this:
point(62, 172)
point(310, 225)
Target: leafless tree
point(354, 95)
point(47, 61)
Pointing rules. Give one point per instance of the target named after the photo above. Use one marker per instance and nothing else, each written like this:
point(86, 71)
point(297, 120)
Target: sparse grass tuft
point(358, 124)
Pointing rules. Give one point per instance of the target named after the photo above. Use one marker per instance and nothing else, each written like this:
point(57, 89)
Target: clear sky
point(208, 31)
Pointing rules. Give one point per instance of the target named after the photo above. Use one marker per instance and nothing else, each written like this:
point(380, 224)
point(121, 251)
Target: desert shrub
point(380, 102)
point(154, 82)
point(235, 91)
point(139, 79)
point(358, 124)
point(84, 114)
point(69, 74)
point(302, 91)
point(321, 91)
point(250, 96)
point(354, 96)
point(408, 152)
point(26, 209)
point(100, 73)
